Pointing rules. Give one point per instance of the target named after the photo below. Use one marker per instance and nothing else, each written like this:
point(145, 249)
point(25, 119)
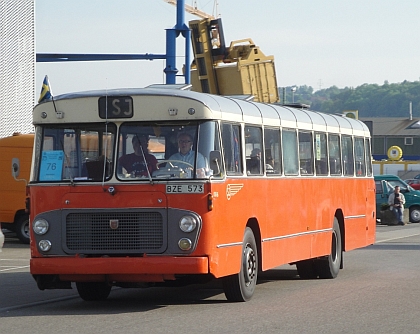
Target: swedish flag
point(46, 93)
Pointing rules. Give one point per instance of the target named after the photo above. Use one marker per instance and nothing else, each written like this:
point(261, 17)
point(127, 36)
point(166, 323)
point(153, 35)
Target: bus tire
point(22, 228)
point(329, 266)
point(415, 214)
point(306, 269)
point(93, 291)
point(240, 287)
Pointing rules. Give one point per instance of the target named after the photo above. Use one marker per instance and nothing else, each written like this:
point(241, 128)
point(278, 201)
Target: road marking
point(13, 268)
point(44, 302)
point(401, 235)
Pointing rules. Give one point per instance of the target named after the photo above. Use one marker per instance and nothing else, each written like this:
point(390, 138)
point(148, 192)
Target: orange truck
point(15, 165)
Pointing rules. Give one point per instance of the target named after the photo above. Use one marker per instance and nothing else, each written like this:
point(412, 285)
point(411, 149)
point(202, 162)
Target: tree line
point(371, 100)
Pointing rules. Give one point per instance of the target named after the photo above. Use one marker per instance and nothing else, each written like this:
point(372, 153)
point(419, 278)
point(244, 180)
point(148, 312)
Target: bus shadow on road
point(279, 274)
point(121, 300)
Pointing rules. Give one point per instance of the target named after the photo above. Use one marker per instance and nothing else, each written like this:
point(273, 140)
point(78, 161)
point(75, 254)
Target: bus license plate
point(184, 188)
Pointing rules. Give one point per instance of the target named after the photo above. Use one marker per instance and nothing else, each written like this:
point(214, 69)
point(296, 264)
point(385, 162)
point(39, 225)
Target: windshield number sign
point(184, 189)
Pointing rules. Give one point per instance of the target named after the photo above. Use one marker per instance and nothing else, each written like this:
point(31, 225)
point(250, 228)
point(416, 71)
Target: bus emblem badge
point(113, 224)
point(233, 189)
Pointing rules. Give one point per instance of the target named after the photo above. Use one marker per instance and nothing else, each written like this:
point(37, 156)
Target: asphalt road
point(378, 291)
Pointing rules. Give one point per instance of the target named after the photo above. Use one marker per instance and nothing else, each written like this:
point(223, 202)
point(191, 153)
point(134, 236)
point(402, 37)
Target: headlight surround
point(40, 226)
point(188, 224)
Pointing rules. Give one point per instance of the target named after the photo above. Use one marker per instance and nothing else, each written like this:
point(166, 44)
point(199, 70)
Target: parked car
point(385, 186)
point(414, 183)
point(417, 176)
point(1, 239)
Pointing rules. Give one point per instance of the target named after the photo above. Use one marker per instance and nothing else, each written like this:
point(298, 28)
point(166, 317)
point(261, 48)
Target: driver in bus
point(186, 154)
point(134, 163)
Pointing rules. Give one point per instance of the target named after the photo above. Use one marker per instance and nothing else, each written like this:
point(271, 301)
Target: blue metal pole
point(180, 14)
point(187, 73)
point(170, 69)
point(171, 36)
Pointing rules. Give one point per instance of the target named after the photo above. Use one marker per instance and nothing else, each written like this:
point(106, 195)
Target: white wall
point(17, 66)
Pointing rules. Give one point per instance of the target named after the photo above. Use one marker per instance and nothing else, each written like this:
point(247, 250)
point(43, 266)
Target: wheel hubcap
point(415, 215)
point(249, 264)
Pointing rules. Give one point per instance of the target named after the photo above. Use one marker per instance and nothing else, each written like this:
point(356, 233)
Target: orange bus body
point(245, 223)
point(293, 225)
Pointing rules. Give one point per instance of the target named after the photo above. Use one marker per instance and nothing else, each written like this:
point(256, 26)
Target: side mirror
point(215, 162)
point(15, 168)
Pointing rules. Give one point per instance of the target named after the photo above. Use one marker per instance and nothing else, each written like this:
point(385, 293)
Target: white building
point(17, 66)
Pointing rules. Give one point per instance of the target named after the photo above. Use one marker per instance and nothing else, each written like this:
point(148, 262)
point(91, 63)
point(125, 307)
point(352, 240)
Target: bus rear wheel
point(240, 287)
point(92, 291)
point(329, 266)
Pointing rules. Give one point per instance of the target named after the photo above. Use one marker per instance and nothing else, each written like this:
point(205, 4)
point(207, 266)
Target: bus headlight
point(185, 244)
point(40, 226)
point(44, 245)
point(188, 224)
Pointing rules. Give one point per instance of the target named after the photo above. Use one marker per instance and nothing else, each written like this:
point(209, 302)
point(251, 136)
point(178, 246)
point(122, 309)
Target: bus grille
point(115, 232)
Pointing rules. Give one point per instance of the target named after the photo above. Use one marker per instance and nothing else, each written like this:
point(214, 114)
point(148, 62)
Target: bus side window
point(360, 156)
point(320, 142)
point(232, 148)
point(272, 145)
point(254, 153)
point(368, 157)
point(334, 154)
point(290, 152)
point(306, 153)
point(348, 160)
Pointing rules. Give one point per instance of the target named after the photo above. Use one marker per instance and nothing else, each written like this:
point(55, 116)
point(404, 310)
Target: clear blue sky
point(319, 43)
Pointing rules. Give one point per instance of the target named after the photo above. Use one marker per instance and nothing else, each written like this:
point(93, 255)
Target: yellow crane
point(193, 10)
point(239, 69)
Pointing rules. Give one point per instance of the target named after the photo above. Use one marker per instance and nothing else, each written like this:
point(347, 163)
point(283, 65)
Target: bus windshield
point(74, 152)
point(90, 152)
point(169, 150)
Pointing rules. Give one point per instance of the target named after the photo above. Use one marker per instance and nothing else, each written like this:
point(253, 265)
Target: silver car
point(1, 238)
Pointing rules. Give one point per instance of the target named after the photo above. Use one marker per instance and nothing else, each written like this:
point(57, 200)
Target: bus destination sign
point(115, 107)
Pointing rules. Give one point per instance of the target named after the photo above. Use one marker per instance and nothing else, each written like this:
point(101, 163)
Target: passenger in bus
point(253, 165)
point(269, 164)
point(134, 163)
point(396, 201)
point(186, 154)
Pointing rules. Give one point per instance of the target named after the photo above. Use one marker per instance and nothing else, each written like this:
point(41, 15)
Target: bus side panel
point(300, 221)
point(360, 223)
point(295, 217)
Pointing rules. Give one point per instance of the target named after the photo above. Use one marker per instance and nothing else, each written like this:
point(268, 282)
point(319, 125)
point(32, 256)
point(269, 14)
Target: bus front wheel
point(240, 287)
point(92, 291)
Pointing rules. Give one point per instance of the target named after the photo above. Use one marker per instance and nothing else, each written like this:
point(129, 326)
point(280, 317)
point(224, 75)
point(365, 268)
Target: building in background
point(388, 132)
point(17, 66)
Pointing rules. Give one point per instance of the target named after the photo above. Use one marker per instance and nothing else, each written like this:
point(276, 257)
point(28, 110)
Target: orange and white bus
point(263, 185)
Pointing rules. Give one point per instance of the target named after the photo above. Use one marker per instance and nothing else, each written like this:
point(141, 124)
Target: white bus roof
point(207, 106)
